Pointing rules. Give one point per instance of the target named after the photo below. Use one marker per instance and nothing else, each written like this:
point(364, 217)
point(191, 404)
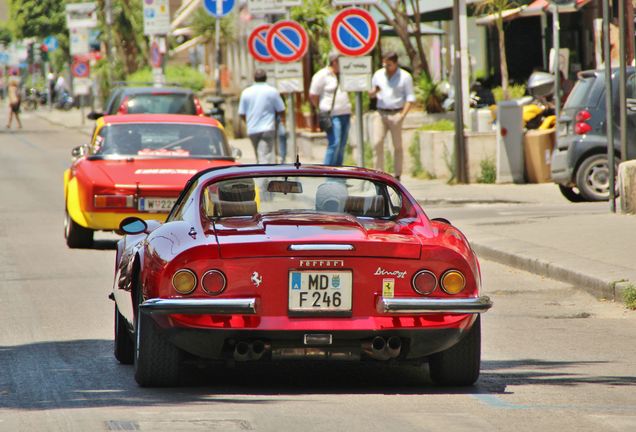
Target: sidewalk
point(530, 227)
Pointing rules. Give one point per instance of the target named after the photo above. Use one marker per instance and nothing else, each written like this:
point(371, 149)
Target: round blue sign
point(51, 43)
point(211, 6)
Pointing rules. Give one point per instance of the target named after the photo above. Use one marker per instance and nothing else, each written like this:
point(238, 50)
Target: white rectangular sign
point(82, 86)
point(81, 15)
point(156, 17)
point(355, 73)
point(78, 40)
point(288, 3)
point(289, 77)
point(258, 7)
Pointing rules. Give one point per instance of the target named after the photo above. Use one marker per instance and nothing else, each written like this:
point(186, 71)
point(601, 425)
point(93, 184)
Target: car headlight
point(453, 282)
point(184, 281)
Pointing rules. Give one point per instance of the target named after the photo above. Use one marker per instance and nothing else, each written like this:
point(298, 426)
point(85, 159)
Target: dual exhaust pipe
point(383, 349)
point(379, 348)
point(244, 351)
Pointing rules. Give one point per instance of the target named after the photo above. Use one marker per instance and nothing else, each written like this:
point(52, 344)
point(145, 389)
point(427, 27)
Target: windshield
point(161, 103)
point(161, 140)
point(248, 197)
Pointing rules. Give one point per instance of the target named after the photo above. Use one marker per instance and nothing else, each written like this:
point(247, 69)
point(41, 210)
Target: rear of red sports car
point(340, 267)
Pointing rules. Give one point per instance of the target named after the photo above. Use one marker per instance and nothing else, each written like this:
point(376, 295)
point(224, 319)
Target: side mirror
point(237, 153)
point(79, 151)
point(94, 115)
point(133, 225)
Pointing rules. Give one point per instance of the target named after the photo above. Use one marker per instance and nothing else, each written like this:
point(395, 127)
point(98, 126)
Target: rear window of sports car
point(247, 197)
point(161, 140)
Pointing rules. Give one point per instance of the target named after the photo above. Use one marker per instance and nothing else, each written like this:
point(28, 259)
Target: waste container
point(537, 148)
point(510, 167)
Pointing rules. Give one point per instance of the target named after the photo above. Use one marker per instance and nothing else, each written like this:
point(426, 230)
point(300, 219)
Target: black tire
point(459, 365)
point(124, 346)
point(76, 235)
point(592, 178)
point(156, 359)
point(570, 194)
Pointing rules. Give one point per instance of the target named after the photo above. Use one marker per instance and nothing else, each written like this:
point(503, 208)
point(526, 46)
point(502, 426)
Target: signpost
point(287, 43)
point(218, 9)
point(355, 33)
point(80, 69)
point(81, 15)
point(51, 43)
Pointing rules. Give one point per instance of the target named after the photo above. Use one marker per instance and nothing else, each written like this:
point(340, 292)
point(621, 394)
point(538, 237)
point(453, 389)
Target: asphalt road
point(554, 358)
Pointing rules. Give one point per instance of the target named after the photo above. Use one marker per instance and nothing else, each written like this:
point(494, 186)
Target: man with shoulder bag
point(334, 117)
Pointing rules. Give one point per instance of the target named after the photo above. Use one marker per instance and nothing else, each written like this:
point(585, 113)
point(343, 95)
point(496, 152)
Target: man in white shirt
point(393, 87)
point(326, 94)
point(259, 105)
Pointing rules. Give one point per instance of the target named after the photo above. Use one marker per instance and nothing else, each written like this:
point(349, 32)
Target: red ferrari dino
point(259, 263)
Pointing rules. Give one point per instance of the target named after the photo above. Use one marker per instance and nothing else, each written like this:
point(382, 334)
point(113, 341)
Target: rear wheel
point(156, 359)
point(124, 346)
point(571, 194)
point(459, 365)
point(592, 178)
point(76, 235)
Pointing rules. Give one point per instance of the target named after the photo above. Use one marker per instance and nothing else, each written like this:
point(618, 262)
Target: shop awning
point(184, 12)
point(189, 44)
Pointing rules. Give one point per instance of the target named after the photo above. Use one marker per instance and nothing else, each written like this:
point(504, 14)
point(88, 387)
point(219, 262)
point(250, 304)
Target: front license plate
point(323, 291)
point(162, 205)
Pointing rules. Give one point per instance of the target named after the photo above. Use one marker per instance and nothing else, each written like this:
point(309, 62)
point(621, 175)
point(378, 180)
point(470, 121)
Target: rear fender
point(73, 203)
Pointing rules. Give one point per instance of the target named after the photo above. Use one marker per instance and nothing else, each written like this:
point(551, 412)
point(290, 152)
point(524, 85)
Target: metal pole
point(609, 119)
point(108, 12)
point(49, 87)
point(82, 109)
point(460, 144)
point(359, 129)
point(622, 82)
point(217, 46)
point(291, 120)
point(557, 73)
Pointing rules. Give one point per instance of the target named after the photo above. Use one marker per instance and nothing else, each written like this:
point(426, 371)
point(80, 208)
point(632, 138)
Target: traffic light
point(44, 53)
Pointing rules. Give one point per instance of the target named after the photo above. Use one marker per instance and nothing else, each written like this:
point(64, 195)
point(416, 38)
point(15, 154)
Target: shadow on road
point(83, 373)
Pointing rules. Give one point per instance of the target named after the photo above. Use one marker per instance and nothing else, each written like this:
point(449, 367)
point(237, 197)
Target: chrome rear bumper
point(417, 305)
point(224, 306)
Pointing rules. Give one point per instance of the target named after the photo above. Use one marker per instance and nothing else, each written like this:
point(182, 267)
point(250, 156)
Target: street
point(553, 357)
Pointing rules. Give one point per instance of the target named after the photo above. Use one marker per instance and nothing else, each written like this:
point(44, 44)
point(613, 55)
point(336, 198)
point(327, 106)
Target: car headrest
point(369, 206)
point(235, 208)
point(237, 191)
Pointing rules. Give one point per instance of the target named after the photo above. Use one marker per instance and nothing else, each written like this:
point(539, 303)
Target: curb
point(596, 286)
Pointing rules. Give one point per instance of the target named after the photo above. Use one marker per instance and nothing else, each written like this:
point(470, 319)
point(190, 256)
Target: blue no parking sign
point(218, 8)
point(354, 32)
point(80, 69)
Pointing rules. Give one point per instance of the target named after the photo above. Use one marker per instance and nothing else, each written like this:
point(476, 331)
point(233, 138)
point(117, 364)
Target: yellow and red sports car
point(136, 165)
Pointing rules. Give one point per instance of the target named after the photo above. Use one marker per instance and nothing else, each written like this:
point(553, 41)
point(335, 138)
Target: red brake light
point(213, 282)
point(123, 108)
point(583, 116)
point(113, 201)
point(197, 107)
point(424, 282)
point(582, 128)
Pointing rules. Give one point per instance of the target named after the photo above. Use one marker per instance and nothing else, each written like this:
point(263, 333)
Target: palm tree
point(497, 8)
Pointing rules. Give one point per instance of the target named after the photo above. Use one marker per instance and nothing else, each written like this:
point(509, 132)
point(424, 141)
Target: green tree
point(497, 7)
point(204, 24)
point(37, 18)
point(6, 36)
point(407, 28)
point(314, 14)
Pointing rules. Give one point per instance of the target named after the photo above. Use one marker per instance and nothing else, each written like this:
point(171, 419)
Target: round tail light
point(213, 282)
point(184, 281)
point(453, 282)
point(424, 282)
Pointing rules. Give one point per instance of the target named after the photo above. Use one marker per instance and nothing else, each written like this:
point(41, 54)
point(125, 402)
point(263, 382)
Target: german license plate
point(320, 291)
point(162, 205)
